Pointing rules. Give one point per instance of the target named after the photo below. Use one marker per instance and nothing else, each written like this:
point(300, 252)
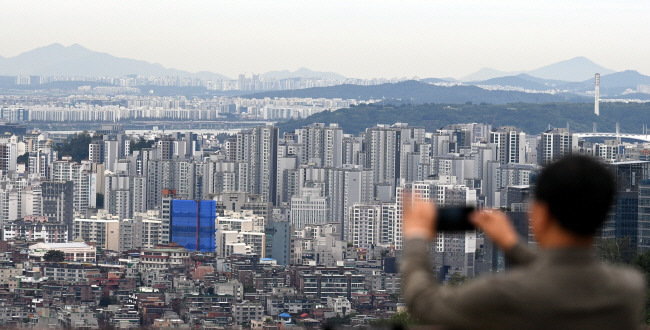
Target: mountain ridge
point(77, 60)
point(576, 69)
point(531, 118)
point(613, 83)
point(416, 92)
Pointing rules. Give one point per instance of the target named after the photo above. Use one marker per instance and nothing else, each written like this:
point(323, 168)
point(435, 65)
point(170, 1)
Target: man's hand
point(495, 224)
point(419, 218)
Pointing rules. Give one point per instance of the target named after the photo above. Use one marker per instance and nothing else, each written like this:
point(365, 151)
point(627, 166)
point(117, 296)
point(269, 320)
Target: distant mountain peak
point(54, 45)
point(76, 60)
point(77, 46)
point(630, 72)
point(575, 69)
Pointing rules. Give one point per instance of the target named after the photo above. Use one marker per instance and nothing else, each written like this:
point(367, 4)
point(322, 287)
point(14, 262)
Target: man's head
point(572, 197)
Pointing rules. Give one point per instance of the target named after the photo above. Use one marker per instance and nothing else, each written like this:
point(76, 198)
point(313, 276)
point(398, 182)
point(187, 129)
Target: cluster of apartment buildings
point(244, 82)
point(195, 231)
point(88, 107)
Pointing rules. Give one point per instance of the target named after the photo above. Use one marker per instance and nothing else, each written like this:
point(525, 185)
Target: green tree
point(54, 256)
point(76, 146)
point(619, 250)
point(140, 144)
point(337, 321)
point(399, 320)
point(642, 262)
point(456, 279)
point(249, 288)
point(23, 159)
point(532, 118)
point(223, 137)
point(104, 301)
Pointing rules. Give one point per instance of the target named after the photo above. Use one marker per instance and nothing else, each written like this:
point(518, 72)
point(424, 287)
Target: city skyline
point(385, 39)
point(263, 164)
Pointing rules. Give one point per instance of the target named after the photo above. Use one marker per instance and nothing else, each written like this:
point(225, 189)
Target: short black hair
point(579, 191)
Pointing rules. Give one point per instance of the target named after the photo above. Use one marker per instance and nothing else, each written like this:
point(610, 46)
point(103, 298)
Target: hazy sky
point(355, 38)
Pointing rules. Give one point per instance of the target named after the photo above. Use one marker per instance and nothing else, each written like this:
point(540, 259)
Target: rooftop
point(59, 245)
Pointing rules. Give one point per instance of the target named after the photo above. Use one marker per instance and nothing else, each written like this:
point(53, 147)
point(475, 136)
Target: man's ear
point(546, 219)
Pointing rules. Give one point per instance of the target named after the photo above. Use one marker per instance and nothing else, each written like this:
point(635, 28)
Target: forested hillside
point(532, 118)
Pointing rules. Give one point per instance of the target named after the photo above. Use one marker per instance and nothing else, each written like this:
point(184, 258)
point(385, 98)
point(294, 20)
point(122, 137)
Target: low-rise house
point(164, 257)
point(340, 305)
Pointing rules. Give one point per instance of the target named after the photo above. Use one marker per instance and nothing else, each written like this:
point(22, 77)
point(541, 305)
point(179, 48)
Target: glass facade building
point(643, 227)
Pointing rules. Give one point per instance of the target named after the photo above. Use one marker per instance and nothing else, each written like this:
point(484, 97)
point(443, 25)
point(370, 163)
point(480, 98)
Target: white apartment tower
point(511, 144)
point(555, 144)
point(321, 145)
point(365, 224)
point(83, 178)
point(309, 208)
point(258, 147)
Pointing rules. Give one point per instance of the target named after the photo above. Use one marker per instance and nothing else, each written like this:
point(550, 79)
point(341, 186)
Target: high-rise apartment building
point(8, 154)
point(511, 144)
point(321, 144)
point(309, 208)
point(364, 225)
point(348, 185)
point(83, 178)
point(381, 146)
point(259, 148)
point(555, 144)
point(58, 202)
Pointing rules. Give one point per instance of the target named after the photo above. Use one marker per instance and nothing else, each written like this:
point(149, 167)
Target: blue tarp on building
point(193, 224)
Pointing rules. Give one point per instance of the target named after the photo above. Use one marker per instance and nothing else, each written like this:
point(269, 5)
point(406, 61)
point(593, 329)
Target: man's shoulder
point(528, 279)
point(625, 276)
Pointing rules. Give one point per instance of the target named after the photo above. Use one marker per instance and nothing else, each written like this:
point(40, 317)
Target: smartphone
point(454, 218)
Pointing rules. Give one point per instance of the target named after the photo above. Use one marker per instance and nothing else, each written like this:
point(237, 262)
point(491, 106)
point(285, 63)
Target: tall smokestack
point(597, 96)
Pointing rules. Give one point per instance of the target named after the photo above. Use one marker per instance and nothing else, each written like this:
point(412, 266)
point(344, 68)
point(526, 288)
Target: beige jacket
point(553, 289)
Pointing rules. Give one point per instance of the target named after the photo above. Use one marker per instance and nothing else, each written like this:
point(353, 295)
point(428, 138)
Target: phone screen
point(454, 218)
